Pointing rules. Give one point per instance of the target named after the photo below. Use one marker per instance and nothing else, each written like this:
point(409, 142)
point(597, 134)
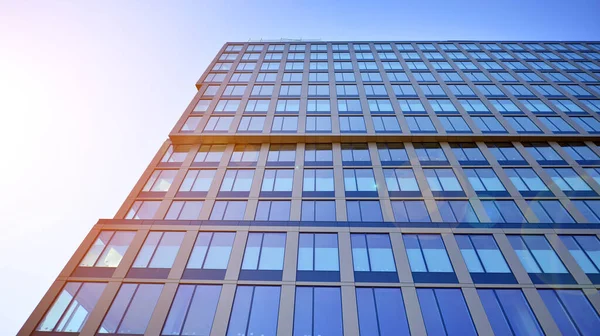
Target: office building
point(359, 188)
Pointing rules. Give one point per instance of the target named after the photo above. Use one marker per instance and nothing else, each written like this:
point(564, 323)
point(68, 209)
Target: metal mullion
point(262, 239)
point(437, 304)
point(423, 254)
point(249, 307)
point(477, 254)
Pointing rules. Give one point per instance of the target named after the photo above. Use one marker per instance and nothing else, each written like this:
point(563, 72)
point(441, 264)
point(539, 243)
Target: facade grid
point(358, 188)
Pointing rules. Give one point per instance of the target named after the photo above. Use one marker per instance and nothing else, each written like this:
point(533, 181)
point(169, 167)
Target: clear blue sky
point(90, 89)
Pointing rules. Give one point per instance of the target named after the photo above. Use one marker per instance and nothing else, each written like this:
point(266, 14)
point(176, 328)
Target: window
point(557, 125)
point(108, 249)
point(255, 311)
point(445, 312)
point(550, 211)
point(432, 90)
point(318, 211)
point(581, 153)
point(420, 125)
point(359, 182)
point(567, 106)
point(318, 90)
point(522, 91)
point(228, 210)
point(392, 154)
point(468, 153)
point(160, 180)
point(132, 309)
point(264, 252)
point(401, 182)
point(185, 210)
point(277, 180)
point(386, 124)
point(349, 106)
point(457, 212)
point(211, 252)
point(218, 124)
point(254, 105)
point(442, 180)
point(280, 155)
point(244, 154)
point(237, 180)
point(381, 312)
point(173, 155)
point(505, 106)
point(527, 181)
point(424, 76)
point(477, 76)
point(375, 90)
point(490, 90)
point(193, 310)
point(318, 155)
point(543, 153)
point(461, 90)
point(442, 106)
point(288, 105)
point(409, 106)
point(503, 211)
point(159, 250)
point(209, 155)
point(240, 77)
point(318, 182)
point(318, 311)
point(285, 124)
point(344, 77)
point(292, 77)
point(233, 90)
point(483, 257)
point(427, 254)
point(505, 153)
point(318, 105)
point(372, 253)
point(489, 124)
point(363, 211)
point(318, 124)
point(246, 66)
point(72, 307)
point(197, 180)
point(228, 105)
point(352, 125)
point(586, 251)
point(397, 77)
point(405, 90)
point(143, 210)
point(455, 125)
point(589, 124)
point(318, 77)
point(318, 252)
point(508, 312)
point(273, 211)
point(202, 106)
point(380, 105)
point(485, 182)
point(536, 255)
point(571, 310)
point(537, 106)
point(356, 154)
point(569, 181)
point(410, 211)
point(370, 76)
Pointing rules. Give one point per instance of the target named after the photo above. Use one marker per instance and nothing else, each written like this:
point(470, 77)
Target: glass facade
point(359, 188)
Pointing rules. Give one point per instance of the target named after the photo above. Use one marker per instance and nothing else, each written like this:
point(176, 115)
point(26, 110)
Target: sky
point(89, 90)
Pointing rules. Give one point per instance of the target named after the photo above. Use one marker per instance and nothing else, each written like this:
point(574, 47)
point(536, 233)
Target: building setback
point(358, 188)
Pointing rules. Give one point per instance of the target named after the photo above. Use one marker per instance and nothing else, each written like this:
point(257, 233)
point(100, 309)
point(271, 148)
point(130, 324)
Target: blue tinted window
point(508, 312)
point(318, 252)
point(72, 307)
point(381, 312)
point(481, 254)
point(318, 311)
point(536, 254)
point(571, 311)
point(410, 211)
point(550, 212)
point(484, 179)
point(131, 310)
point(255, 311)
point(364, 211)
point(457, 212)
point(427, 253)
point(372, 253)
point(503, 211)
point(264, 251)
point(585, 250)
point(318, 211)
point(445, 312)
point(193, 310)
point(211, 250)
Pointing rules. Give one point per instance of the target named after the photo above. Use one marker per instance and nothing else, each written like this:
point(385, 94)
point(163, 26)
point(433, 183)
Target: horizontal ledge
point(191, 139)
